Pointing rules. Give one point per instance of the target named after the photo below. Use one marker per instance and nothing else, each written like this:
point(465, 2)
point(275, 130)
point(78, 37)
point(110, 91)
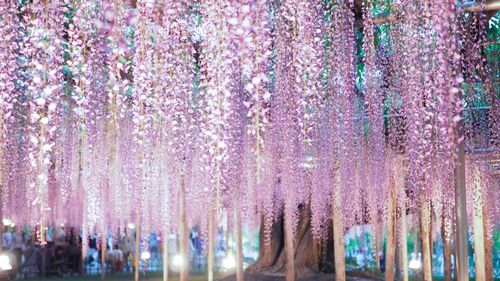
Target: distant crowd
point(62, 253)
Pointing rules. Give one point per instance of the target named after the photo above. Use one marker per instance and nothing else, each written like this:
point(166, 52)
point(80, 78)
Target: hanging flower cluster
point(154, 111)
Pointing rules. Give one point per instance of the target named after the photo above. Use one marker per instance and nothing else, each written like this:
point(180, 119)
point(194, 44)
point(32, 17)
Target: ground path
point(157, 276)
point(317, 277)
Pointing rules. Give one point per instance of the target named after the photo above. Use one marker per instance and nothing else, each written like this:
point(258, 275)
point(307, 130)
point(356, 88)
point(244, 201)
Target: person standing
point(7, 238)
point(118, 258)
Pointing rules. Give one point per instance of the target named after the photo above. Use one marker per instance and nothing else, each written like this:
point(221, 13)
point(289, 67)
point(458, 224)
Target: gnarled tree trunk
point(309, 257)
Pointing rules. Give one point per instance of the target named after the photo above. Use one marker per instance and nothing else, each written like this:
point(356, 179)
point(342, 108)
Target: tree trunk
point(272, 257)
point(269, 253)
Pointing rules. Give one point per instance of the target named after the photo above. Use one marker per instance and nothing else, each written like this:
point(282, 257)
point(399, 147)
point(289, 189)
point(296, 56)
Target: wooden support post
point(103, 255)
point(488, 245)
point(239, 247)
point(1, 205)
point(137, 253)
point(446, 248)
point(338, 233)
point(461, 251)
point(397, 255)
point(289, 249)
point(44, 261)
point(165, 254)
point(79, 185)
point(1, 215)
point(391, 235)
point(447, 259)
point(378, 243)
point(183, 233)
point(227, 236)
point(426, 249)
point(85, 244)
point(431, 237)
point(404, 241)
point(211, 245)
point(477, 215)
point(400, 194)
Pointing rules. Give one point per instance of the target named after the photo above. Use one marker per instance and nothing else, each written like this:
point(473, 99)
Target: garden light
point(229, 262)
point(145, 255)
point(5, 263)
point(177, 261)
point(415, 264)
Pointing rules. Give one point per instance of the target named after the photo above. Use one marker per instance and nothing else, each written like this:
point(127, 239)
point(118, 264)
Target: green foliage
point(492, 51)
point(494, 28)
point(381, 7)
point(475, 95)
point(24, 2)
point(352, 245)
point(411, 242)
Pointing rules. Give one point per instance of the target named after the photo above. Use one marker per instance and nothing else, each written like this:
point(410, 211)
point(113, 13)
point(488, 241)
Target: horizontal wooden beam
point(491, 6)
